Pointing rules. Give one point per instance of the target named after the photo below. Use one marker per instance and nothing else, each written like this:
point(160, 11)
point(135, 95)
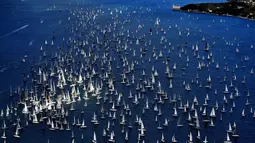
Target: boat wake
point(14, 31)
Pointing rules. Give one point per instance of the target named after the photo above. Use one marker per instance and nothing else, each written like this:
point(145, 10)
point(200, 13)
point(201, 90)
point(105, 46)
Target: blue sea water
point(240, 32)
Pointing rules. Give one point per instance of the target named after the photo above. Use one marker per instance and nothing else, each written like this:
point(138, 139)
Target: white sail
point(94, 138)
point(25, 109)
point(212, 114)
point(16, 135)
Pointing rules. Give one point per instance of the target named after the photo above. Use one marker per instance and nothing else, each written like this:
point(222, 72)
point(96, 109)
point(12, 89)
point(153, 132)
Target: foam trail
point(14, 31)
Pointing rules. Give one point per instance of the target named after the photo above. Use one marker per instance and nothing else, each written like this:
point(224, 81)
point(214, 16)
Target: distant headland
point(239, 8)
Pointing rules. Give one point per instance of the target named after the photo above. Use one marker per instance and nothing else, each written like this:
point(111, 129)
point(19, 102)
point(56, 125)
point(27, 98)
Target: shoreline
point(215, 14)
point(230, 9)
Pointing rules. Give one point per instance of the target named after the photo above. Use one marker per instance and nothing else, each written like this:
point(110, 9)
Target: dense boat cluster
point(127, 82)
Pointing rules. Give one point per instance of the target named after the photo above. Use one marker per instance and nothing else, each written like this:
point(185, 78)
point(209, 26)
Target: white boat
point(94, 118)
point(175, 113)
point(104, 133)
point(179, 122)
point(159, 126)
point(3, 136)
point(170, 84)
point(142, 132)
point(190, 138)
point(198, 134)
point(205, 140)
point(204, 112)
point(226, 89)
point(217, 66)
point(235, 134)
point(147, 104)
point(187, 87)
point(113, 107)
point(209, 79)
point(91, 87)
point(111, 139)
point(126, 136)
point(212, 114)
point(252, 72)
point(162, 138)
point(229, 128)
point(16, 135)
point(25, 109)
point(80, 79)
point(173, 139)
point(211, 123)
point(156, 73)
point(227, 139)
point(83, 124)
point(197, 124)
point(123, 121)
point(157, 22)
point(68, 127)
point(174, 67)
point(166, 122)
point(35, 120)
point(52, 126)
point(243, 113)
point(94, 138)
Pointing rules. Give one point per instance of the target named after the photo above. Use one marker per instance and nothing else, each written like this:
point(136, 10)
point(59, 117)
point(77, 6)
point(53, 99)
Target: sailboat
point(198, 134)
point(147, 105)
point(126, 136)
point(226, 90)
point(175, 113)
point(111, 139)
point(252, 72)
point(159, 126)
point(243, 113)
point(123, 121)
point(162, 138)
point(16, 135)
point(174, 67)
point(94, 138)
point(83, 124)
point(3, 136)
point(52, 126)
point(35, 120)
point(173, 139)
point(170, 84)
point(211, 123)
point(217, 66)
point(68, 127)
point(142, 132)
point(113, 107)
point(166, 122)
point(104, 132)
point(190, 138)
point(235, 134)
point(157, 22)
point(205, 140)
point(237, 50)
point(91, 87)
point(229, 128)
point(212, 114)
point(179, 123)
point(25, 109)
point(197, 124)
point(228, 139)
point(187, 87)
point(204, 112)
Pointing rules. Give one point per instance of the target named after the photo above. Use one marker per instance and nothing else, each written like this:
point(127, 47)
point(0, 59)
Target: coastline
point(230, 9)
point(224, 15)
